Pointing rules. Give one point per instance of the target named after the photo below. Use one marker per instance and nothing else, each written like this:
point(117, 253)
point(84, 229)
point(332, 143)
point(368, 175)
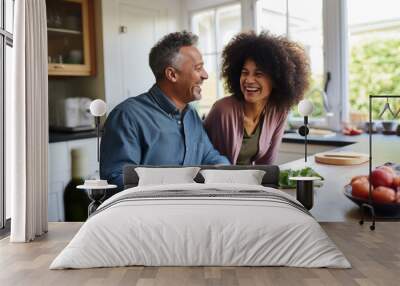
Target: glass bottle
point(76, 201)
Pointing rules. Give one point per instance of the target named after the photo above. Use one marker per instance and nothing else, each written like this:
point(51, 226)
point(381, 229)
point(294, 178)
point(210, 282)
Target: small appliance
point(72, 115)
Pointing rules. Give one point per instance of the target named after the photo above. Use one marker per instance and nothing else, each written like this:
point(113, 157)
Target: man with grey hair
point(159, 127)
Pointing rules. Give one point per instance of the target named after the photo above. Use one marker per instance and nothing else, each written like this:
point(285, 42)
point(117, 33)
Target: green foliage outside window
point(375, 69)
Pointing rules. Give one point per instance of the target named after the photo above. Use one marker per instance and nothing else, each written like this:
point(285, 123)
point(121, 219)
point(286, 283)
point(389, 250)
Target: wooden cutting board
point(341, 158)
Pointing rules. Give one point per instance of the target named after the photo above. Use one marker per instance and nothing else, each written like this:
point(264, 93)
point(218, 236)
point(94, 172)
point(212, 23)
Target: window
point(303, 24)
point(215, 27)
point(6, 43)
point(374, 56)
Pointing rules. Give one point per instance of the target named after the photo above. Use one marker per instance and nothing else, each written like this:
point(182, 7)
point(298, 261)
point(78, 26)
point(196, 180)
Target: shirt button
point(179, 122)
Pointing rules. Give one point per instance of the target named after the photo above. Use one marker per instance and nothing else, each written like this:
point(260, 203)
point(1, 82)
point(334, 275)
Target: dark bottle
point(76, 201)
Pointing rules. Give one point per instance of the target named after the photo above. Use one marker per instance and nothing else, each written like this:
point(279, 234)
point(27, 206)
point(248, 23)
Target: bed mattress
point(201, 225)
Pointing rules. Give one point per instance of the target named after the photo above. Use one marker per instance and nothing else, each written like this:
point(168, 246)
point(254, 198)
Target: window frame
point(335, 59)
point(334, 17)
point(215, 53)
point(6, 39)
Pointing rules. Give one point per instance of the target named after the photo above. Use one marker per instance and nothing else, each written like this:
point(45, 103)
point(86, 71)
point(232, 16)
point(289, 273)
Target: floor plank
point(374, 255)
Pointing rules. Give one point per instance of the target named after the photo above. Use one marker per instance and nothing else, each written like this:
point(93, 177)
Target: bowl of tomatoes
point(385, 189)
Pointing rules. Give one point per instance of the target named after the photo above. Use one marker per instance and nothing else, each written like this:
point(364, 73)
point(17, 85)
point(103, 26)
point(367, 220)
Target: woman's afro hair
point(284, 61)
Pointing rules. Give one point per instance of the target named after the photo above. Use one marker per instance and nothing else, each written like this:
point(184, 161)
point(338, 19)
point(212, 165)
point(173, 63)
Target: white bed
point(221, 225)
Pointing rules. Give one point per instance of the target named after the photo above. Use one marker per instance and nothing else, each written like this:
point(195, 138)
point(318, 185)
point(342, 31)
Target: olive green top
point(249, 147)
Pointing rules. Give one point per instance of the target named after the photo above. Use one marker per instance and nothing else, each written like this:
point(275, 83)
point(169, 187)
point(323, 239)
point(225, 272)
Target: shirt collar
point(164, 102)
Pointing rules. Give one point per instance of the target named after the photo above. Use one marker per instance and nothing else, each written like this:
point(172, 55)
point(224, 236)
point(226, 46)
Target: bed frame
point(270, 179)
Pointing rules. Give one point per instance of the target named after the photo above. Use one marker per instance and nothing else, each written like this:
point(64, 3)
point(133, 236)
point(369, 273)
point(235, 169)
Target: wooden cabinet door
point(70, 38)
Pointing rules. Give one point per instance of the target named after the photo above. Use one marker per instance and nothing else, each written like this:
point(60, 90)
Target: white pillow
point(165, 176)
point(248, 177)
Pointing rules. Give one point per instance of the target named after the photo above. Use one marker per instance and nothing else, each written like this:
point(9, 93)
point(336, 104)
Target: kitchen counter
point(55, 137)
point(330, 204)
point(338, 140)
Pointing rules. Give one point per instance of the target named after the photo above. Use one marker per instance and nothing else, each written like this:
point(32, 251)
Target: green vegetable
point(284, 176)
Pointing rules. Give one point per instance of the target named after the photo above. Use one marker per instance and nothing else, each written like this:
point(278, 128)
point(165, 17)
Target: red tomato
point(388, 169)
point(381, 177)
point(358, 177)
point(383, 195)
point(355, 132)
point(396, 182)
point(360, 188)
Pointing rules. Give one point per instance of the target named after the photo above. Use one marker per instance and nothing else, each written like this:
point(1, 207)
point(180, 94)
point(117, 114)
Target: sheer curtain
point(27, 124)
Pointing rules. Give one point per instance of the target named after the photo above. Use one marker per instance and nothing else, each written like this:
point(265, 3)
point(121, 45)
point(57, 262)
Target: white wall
point(123, 79)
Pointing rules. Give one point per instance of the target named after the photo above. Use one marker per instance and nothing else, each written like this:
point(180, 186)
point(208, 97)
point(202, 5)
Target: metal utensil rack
point(369, 205)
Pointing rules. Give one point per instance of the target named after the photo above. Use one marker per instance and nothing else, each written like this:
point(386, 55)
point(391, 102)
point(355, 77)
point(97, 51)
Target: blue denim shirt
point(149, 130)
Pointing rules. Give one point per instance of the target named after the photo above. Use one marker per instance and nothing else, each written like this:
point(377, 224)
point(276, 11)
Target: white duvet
point(183, 231)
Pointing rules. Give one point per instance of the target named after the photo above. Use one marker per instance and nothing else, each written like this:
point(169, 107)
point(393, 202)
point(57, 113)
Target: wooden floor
point(374, 255)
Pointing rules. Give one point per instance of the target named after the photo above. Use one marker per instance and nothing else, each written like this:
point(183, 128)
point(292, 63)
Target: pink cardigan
point(224, 126)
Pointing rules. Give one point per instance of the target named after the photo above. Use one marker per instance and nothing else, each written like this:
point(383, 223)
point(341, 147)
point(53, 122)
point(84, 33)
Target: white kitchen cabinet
point(293, 151)
point(60, 171)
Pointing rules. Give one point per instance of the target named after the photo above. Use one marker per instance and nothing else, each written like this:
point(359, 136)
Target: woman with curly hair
point(266, 76)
